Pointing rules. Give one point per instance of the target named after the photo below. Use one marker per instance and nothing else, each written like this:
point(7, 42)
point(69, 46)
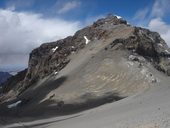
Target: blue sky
point(25, 24)
point(82, 8)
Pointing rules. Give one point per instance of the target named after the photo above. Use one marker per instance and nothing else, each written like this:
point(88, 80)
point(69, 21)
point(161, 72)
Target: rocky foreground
point(104, 62)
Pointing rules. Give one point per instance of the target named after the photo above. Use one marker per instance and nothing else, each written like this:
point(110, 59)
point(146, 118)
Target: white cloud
point(161, 27)
point(21, 32)
point(158, 25)
point(68, 6)
point(160, 8)
point(141, 17)
point(141, 14)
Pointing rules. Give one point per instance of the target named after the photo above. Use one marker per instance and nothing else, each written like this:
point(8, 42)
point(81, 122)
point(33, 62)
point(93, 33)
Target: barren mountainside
point(104, 62)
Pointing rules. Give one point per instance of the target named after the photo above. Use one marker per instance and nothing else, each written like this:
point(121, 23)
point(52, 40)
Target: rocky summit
point(104, 62)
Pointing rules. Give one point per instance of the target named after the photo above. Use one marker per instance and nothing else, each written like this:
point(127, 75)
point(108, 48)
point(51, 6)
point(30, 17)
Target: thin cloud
point(70, 5)
point(21, 32)
point(160, 8)
point(141, 14)
point(141, 17)
point(18, 4)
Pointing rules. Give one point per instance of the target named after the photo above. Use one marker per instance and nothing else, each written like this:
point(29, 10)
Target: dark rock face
point(4, 76)
point(149, 45)
point(152, 46)
point(14, 81)
point(44, 60)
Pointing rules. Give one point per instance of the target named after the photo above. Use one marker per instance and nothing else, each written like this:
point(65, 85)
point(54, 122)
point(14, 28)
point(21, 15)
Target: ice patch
point(87, 40)
point(14, 104)
point(54, 49)
point(119, 17)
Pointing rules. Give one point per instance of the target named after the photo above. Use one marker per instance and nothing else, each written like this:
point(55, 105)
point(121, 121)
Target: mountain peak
point(111, 19)
point(93, 64)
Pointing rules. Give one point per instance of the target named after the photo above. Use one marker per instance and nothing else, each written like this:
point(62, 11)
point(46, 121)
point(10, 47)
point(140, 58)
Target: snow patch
point(55, 72)
point(87, 40)
point(119, 17)
point(14, 104)
point(54, 49)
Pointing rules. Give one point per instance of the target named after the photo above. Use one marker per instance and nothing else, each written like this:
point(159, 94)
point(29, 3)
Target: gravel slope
point(149, 109)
